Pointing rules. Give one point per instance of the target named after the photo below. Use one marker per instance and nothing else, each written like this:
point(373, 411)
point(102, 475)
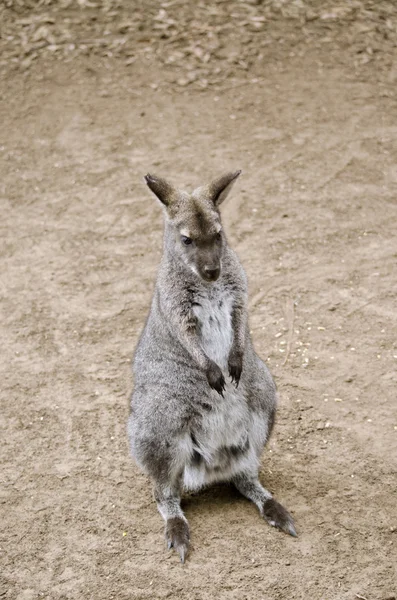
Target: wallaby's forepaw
point(277, 516)
point(215, 378)
point(177, 536)
point(235, 366)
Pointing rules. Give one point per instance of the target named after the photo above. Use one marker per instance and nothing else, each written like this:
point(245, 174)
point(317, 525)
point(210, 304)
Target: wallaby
point(204, 403)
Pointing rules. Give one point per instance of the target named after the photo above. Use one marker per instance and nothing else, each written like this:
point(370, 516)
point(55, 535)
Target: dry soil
point(313, 125)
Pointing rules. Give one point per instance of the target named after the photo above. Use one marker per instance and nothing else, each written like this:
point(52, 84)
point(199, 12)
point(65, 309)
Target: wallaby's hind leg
point(274, 513)
point(176, 526)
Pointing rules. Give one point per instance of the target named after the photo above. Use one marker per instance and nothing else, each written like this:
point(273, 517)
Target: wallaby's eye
point(186, 240)
point(218, 236)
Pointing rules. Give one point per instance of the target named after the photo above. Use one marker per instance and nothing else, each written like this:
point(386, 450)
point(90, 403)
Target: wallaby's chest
point(214, 323)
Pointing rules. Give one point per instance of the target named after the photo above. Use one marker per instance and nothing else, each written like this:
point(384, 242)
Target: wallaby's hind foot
point(277, 516)
point(177, 536)
point(176, 526)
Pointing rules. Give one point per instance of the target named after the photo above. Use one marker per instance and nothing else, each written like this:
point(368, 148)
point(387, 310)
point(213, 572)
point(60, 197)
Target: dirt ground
point(305, 104)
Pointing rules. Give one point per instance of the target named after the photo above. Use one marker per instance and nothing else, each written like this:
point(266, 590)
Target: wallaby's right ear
point(163, 190)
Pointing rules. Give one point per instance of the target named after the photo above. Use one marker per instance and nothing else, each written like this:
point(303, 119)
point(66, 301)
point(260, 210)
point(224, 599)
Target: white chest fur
point(214, 315)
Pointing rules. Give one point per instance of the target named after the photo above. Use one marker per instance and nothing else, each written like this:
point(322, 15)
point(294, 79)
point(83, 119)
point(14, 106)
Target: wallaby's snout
point(194, 223)
point(205, 254)
point(212, 274)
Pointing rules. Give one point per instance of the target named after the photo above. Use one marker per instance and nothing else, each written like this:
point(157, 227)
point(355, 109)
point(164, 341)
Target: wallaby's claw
point(182, 550)
point(277, 516)
point(177, 536)
point(292, 530)
point(216, 379)
point(235, 375)
point(235, 367)
point(219, 385)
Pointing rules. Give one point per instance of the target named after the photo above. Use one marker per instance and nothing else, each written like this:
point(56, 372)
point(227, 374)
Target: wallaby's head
point(194, 229)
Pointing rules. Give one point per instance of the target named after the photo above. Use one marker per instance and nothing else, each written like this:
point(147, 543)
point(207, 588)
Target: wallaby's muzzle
point(211, 274)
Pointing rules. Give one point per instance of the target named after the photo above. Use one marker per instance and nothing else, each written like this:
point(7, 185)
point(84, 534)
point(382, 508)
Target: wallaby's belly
point(214, 316)
point(224, 442)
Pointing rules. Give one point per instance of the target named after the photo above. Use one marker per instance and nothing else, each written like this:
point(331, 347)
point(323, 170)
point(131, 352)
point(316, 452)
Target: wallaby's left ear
point(220, 188)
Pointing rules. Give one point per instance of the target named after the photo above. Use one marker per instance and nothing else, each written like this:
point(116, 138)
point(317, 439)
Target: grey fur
point(204, 403)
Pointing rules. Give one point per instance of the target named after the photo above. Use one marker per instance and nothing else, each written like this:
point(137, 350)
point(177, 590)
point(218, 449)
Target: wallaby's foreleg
point(235, 362)
point(185, 326)
point(274, 513)
point(176, 526)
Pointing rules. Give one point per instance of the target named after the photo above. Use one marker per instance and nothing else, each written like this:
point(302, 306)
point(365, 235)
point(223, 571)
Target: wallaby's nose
point(211, 274)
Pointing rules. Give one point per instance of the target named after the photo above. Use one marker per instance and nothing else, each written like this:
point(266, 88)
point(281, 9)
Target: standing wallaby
point(204, 403)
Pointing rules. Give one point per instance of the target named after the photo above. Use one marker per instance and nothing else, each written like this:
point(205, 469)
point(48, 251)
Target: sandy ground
point(314, 221)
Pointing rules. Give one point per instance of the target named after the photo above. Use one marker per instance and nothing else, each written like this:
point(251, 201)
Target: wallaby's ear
point(163, 190)
point(220, 188)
